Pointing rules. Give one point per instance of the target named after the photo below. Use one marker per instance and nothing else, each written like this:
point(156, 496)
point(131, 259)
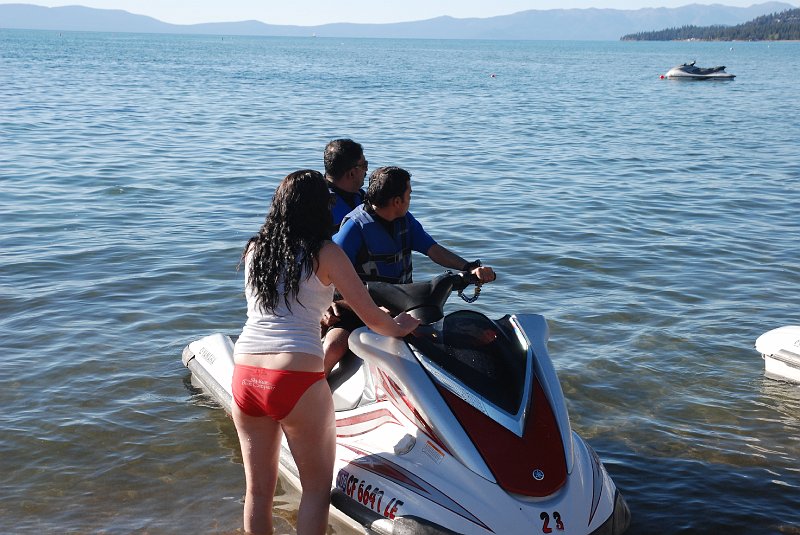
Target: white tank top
point(297, 331)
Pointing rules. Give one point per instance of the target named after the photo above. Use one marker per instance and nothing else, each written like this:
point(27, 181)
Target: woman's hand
point(406, 323)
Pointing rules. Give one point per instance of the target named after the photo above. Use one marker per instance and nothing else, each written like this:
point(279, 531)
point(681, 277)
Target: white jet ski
point(460, 428)
point(689, 71)
point(780, 349)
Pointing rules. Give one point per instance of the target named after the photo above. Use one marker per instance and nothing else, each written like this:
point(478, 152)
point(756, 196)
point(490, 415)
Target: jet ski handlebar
point(423, 300)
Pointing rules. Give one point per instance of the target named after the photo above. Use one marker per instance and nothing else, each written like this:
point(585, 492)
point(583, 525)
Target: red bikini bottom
point(274, 393)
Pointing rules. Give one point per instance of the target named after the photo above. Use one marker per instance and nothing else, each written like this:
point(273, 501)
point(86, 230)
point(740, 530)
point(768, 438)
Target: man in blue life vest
point(378, 237)
point(345, 169)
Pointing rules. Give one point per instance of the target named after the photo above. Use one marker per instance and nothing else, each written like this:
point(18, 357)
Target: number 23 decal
point(546, 524)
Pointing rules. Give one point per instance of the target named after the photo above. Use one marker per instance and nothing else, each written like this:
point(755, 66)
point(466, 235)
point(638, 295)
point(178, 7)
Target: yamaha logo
point(538, 475)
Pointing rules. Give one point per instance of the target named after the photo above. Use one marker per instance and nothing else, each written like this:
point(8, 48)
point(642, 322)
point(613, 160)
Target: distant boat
point(689, 71)
point(780, 349)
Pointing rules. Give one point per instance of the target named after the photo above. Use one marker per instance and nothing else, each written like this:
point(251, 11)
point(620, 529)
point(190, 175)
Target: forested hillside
point(784, 26)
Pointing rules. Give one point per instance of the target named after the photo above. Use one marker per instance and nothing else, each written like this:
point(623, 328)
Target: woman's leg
point(311, 432)
point(260, 439)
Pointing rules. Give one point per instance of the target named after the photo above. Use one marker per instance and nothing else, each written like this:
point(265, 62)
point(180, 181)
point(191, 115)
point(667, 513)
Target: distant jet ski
point(780, 349)
point(689, 71)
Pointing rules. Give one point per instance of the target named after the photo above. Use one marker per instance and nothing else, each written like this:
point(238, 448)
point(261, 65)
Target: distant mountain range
point(551, 24)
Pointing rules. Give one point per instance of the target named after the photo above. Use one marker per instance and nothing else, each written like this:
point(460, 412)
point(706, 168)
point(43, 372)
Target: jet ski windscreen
point(482, 354)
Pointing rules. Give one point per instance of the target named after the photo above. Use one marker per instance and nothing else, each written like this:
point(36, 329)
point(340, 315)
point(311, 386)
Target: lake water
point(656, 224)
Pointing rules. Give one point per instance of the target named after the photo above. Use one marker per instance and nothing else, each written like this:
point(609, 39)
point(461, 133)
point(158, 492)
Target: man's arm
point(447, 258)
point(441, 255)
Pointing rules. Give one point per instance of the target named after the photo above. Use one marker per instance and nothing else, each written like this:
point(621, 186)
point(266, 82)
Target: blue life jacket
point(383, 257)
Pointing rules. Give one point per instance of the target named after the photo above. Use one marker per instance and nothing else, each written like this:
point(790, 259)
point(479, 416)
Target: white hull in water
point(461, 428)
point(780, 349)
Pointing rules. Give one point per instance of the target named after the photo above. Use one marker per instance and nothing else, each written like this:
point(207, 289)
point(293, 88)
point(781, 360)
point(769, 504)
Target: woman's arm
point(335, 267)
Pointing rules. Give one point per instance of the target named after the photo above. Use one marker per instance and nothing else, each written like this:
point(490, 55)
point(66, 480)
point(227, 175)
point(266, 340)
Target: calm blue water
point(655, 224)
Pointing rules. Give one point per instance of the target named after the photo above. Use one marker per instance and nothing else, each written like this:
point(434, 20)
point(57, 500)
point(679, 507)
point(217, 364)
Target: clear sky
point(315, 12)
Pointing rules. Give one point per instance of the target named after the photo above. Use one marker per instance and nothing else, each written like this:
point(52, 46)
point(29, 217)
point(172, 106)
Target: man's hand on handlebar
point(484, 274)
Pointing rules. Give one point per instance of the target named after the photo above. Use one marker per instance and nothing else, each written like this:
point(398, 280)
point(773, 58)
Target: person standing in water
point(291, 268)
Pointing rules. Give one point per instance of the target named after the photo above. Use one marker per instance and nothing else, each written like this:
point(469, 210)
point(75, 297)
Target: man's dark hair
point(386, 183)
point(341, 155)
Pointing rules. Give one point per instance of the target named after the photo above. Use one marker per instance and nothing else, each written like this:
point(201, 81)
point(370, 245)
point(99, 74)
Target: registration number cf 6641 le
point(375, 498)
point(368, 495)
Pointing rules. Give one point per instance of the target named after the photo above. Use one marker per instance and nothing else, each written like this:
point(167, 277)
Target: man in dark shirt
point(345, 169)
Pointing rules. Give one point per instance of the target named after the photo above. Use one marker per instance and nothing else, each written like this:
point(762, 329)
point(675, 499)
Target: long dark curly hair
point(287, 245)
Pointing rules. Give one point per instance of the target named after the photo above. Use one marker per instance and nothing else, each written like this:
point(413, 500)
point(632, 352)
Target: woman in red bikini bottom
point(291, 268)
